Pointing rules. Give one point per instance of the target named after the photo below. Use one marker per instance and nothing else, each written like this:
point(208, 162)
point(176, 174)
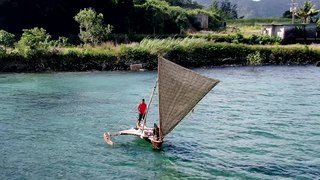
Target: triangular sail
point(180, 89)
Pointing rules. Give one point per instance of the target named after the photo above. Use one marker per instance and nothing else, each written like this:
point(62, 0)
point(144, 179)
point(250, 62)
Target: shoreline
point(150, 70)
point(38, 68)
point(189, 53)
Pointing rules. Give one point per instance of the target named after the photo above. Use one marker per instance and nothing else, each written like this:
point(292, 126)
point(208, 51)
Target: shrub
point(6, 39)
point(92, 29)
point(61, 42)
point(2, 52)
point(130, 55)
point(33, 41)
point(238, 38)
point(255, 58)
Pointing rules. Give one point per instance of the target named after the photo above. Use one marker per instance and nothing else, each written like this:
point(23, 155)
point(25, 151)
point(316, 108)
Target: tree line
point(94, 27)
point(125, 16)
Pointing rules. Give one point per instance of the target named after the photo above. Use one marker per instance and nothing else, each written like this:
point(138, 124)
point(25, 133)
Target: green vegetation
point(195, 52)
point(185, 4)
point(225, 9)
point(189, 52)
point(230, 37)
point(159, 17)
point(238, 38)
point(149, 28)
point(35, 51)
point(33, 41)
point(6, 40)
point(61, 42)
point(126, 16)
point(255, 59)
point(92, 30)
point(307, 11)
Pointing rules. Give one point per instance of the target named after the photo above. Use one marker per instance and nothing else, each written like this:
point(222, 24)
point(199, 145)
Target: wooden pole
point(150, 100)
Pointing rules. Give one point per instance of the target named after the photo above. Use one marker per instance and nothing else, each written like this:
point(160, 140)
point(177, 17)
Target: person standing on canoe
point(142, 108)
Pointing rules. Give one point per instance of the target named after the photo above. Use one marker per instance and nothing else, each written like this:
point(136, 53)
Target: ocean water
point(261, 124)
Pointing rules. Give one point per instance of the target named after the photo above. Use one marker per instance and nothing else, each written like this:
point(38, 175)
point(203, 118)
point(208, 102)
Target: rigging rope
point(150, 100)
point(134, 110)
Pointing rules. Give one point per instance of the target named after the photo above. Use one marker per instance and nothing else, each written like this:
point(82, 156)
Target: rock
point(318, 64)
point(136, 67)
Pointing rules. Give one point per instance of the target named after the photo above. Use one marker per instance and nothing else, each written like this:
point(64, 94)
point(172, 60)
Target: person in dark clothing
point(156, 132)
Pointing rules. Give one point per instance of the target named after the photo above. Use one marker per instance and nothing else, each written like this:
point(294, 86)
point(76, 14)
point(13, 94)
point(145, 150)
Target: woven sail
point(180, 89)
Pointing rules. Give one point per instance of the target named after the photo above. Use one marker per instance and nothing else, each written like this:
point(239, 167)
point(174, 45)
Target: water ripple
point(253, 125)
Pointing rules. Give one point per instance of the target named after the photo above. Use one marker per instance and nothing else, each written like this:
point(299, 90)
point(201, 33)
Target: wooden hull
point(157, 144)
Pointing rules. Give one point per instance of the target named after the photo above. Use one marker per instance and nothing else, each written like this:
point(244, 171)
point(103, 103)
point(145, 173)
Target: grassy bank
point(187, 52)
point(246, 36)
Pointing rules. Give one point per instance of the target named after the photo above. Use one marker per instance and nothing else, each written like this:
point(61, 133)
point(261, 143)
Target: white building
point(292, 32)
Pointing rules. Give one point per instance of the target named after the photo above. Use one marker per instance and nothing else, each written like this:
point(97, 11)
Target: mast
point(150, 100)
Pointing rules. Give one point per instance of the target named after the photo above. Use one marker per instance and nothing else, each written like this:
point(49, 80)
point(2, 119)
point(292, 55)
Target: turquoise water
point(262, 124)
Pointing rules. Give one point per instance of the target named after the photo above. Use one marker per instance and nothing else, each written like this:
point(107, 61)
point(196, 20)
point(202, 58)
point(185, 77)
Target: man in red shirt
point(142, 108)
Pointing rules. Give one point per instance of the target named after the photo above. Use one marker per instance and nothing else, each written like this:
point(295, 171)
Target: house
point(291, 33)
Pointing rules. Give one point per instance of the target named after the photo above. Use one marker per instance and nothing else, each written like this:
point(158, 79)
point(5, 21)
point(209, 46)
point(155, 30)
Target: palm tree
point(307, 11)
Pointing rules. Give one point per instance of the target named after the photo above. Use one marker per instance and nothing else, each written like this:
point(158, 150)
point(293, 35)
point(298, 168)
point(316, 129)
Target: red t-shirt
point(142, 108)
